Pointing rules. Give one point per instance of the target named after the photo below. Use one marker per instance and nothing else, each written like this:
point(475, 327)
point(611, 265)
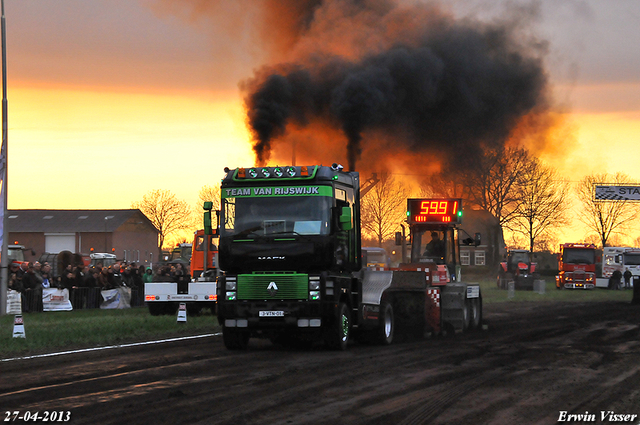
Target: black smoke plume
point(455, 87)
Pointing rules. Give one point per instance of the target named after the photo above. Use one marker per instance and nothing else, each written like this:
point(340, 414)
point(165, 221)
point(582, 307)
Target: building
point(487, 256)
point(128, 234)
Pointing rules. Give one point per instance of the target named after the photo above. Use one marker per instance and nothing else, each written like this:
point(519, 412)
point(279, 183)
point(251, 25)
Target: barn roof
point(71, 221)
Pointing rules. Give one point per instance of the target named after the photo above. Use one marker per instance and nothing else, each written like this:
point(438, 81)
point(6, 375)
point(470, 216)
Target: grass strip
point(51, 331)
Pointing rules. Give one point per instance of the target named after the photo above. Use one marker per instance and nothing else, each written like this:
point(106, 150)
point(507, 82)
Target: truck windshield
point(15, 255)
point(277, 215)
point(519, 257)
point(378, 257)
point(632, 259)
point(579, 256)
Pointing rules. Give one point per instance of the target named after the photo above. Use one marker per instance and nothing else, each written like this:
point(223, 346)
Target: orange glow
point(106, 149)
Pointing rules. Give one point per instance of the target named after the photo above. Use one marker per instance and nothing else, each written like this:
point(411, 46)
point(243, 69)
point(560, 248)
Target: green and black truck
point(290, 257)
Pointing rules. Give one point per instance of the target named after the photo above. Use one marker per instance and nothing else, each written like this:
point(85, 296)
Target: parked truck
point(292, 265)
point(615, 261)
point(576, 266)
point(199, 290)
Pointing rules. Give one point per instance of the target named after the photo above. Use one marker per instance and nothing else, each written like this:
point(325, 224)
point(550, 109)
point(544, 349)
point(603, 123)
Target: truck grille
point(579, 276)
point(290, 286)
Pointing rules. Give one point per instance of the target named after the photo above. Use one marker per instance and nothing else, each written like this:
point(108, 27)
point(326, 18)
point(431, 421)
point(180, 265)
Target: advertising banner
point(54, 299)
point(617, 193)
point(14, 302)
point(116, 298)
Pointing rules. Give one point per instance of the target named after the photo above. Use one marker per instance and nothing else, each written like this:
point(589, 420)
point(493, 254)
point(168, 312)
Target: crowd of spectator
point(31, 278)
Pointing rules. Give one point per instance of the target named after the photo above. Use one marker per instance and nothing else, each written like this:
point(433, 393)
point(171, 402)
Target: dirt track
point(533, 362)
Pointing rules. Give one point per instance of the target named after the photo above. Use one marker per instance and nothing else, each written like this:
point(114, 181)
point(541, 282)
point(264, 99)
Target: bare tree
point(491, 182)
point(209, 194)
point(384, 208)
point(167, 213)
point(604, 217)
point(542, 202)
point(206, 194)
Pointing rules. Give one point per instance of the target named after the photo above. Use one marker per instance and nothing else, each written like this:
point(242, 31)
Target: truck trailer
point(615, 261)
point(164, 295)
point(292, 265)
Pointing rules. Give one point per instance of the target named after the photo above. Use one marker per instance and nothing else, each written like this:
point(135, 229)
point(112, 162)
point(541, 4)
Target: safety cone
point(182, 313)
point(18, 327)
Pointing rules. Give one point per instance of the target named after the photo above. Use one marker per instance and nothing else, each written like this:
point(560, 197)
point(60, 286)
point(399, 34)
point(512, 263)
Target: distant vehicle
point(102, 258)
point(164, 297)
point(615, 260)
point(16, 253)
point(519, 269)
point(375, 259)
point(197, 254)
point(576, 266)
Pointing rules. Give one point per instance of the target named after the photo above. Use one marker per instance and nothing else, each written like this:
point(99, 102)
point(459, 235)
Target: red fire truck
point(577, 266)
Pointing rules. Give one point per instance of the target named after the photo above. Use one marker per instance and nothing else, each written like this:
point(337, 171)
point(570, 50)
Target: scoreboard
point(434, 211)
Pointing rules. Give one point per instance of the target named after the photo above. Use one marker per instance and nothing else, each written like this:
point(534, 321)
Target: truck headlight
point(231, 296)
point(230, 285)
point(314, 285)
point(314, 295)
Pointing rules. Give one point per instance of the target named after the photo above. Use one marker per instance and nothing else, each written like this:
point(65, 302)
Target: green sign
point(252, 192)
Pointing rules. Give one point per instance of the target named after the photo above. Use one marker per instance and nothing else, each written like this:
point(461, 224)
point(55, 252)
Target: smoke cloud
point(370, 82)
point(423, 82)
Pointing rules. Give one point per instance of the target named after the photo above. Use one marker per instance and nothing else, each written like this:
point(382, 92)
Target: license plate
point(271, 314)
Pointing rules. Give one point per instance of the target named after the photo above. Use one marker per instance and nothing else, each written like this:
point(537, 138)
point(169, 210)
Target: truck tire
point(475, 314)
point(193, 309)
point(171, 308)
point(156, 309)
point(339, 331)
point(466, 315)
point(235, 339)
point(387, 325)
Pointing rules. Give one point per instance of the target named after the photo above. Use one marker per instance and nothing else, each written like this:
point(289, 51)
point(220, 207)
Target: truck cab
point(289, 247)
point(576, 266)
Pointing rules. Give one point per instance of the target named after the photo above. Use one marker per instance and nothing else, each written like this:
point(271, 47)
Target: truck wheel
point(386, 326)
point(171, 308)
point(466, 315)
point(339, 331)
point(476, 314)
point(235, 339)
point(193, 310)
point(156, 309)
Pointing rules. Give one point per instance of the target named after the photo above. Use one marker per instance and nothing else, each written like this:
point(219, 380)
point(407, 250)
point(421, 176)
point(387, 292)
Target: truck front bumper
point(272, 315)
point(579, 285)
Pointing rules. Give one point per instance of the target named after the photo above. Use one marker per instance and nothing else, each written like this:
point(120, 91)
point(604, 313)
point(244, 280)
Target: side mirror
point(478, 239)
point(345, 219)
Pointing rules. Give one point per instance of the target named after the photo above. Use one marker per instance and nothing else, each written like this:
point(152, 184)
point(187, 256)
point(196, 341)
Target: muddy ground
point(533, 362)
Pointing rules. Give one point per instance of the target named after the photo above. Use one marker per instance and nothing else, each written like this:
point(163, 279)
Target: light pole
point(4, 261)
point(105, 234)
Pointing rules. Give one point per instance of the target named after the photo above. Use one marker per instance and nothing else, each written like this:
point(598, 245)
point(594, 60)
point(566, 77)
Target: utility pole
point(4, 261)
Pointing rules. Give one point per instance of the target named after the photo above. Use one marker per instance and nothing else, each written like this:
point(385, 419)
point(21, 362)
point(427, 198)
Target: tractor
point(519, 269)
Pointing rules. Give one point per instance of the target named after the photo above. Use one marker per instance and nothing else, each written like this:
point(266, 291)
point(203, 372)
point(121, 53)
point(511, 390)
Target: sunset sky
point(109, 99)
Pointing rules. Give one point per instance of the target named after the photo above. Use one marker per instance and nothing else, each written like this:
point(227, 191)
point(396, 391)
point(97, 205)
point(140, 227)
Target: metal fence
point(81, 298)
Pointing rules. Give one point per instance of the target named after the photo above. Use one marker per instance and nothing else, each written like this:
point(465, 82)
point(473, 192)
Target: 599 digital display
point(434, 211)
